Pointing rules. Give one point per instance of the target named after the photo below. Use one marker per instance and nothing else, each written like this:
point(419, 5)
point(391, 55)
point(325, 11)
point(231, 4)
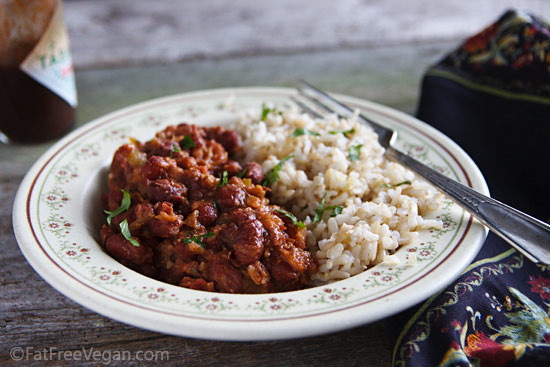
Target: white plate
point(57, 215)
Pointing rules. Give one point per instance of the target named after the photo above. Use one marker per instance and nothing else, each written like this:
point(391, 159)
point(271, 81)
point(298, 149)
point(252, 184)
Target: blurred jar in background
point(37, 84)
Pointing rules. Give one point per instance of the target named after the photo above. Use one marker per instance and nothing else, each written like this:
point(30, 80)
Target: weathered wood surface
point(34, 315)
point(126, 32)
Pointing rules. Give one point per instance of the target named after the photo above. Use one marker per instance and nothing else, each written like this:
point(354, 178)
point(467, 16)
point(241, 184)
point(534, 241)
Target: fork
point(528, 235)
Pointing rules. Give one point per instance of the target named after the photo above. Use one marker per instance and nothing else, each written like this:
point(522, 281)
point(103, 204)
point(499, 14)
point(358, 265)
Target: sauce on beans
point(201, 219)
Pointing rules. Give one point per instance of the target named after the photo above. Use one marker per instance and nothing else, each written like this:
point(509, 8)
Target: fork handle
point(528, 235)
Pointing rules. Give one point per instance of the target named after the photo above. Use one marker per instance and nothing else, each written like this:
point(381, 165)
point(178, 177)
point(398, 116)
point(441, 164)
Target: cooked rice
point(375, 220)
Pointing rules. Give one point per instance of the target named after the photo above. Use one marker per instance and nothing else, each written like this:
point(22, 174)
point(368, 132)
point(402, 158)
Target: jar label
point(50, 62)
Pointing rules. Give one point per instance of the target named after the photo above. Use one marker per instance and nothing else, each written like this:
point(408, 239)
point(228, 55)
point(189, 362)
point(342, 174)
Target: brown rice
point(377, 214)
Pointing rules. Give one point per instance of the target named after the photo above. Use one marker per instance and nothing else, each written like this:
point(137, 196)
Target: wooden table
point(34, 315)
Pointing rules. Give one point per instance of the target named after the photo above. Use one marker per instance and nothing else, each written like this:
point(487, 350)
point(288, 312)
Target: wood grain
point(126, 32)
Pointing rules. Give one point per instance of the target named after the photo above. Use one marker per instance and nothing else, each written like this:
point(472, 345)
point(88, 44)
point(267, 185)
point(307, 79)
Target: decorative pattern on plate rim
point(60, 193)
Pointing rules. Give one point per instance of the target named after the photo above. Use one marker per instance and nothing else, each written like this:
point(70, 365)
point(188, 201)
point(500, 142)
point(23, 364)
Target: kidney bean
point(230, 197)
point(226, 277)
point(167, 190)
point(124, 251)
point(254, 172)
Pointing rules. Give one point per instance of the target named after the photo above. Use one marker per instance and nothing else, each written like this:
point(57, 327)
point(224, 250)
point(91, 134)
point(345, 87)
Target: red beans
point(115, 198)
point(244, 234)
point(297, 258)
point(198, 284)
point(207, 212)
point(227, 138)
point(143, 214)
point(165, 224)
point(124, 251)
point(194, 132)
point(166, 190)
point(281, 270)
point(248, 241)
point(227, 278)
point(258, 273)
point(187, 162)
point(232, 167)
point(156, 167)
point(249, 246)
point(119, 165)
point(192, 179)
point(230, 141)
point(230, 197)
point(195, 228)
point(254, 172)
point(162, 147)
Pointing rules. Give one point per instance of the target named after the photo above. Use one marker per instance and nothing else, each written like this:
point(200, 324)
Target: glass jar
point(37, 84)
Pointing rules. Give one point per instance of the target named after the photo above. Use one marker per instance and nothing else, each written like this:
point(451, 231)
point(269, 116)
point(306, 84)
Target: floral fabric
point(513, 55)
point(492, 97)
point(496, 314)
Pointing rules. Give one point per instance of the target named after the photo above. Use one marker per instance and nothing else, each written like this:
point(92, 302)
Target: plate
point(57, 216)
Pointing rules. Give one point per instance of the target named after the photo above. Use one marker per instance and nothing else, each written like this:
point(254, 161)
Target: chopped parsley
point(290, 216)
point(124, 205)
point(215, 205)
point(343, 132)
point(175, 148)
point(385, 185)
point(336, 209)
point(126, 233)
point(198, 239)
point(265, 111)
point(188, 142)
point(242, 173)
point(223, 180)
point(273, 174)
point(354, 152)
point(301, 131)
point(320, 210)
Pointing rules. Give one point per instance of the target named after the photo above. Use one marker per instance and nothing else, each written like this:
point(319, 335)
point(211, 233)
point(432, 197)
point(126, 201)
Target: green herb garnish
point(126, 233)
point(242, 173)
point(265, 111)
point(355, 152)
point(385, 185)
point(320, 210)
point(198, 239)
point(343, 132)
point(223, 180)
point(290, 216)
point(336, 209)
point(273, 174)
point(124, 205)
point(175, 148)
point(188, 142)
point(300, 131)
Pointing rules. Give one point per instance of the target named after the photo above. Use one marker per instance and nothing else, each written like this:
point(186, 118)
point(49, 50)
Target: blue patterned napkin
point(492, 96)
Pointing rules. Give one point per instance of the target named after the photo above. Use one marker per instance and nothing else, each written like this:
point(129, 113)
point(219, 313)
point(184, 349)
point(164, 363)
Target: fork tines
point(324, 100)
point(306, 108)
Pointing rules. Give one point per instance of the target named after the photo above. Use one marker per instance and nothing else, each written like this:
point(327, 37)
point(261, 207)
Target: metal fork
point(528, 235)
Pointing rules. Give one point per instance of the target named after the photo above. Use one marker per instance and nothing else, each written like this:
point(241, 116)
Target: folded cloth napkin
point(492, 96)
